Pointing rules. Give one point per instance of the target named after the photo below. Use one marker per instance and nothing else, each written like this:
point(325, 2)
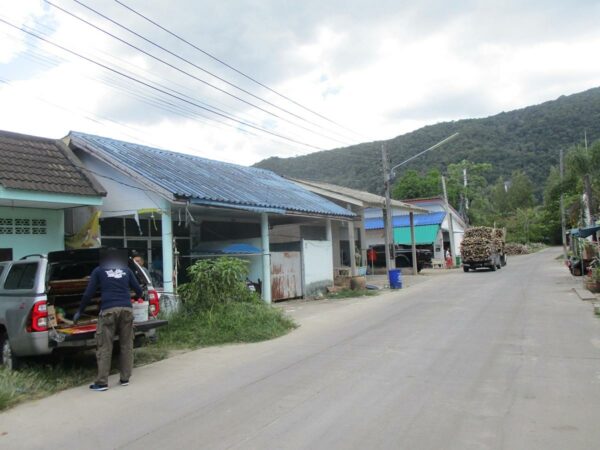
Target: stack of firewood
point(479, 243)
point(513, 248)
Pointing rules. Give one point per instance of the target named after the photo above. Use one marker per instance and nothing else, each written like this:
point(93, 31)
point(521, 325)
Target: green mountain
point(528, 139)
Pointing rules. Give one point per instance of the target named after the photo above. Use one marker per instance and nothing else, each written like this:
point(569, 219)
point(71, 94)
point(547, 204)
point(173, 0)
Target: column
point(363, 239)
point(167, 249)
point(413, 243)
point(352, 242)
point(266, 257)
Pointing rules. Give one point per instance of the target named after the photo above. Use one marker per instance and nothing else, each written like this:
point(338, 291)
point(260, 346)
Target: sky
point(338, 72)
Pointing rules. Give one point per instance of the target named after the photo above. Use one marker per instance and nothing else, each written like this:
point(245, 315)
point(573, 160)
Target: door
point(286, 275)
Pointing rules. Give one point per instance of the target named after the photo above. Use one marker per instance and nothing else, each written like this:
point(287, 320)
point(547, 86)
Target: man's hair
point(113, 255)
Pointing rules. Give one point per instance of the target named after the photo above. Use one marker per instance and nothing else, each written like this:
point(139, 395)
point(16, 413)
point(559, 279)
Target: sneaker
point(124, 382)
point(99, 387)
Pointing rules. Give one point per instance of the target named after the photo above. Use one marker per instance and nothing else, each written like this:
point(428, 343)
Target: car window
point(21, 276)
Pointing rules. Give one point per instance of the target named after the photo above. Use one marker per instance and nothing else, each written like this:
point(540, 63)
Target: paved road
point(463, 361)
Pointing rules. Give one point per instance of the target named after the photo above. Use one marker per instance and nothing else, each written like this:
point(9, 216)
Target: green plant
point(215, 281)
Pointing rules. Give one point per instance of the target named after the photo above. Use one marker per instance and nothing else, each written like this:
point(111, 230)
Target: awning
point(434, 218)
point(584, 232)
point(424, 234)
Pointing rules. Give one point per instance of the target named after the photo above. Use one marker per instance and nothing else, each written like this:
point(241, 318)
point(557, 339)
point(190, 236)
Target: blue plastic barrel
point(395, 277)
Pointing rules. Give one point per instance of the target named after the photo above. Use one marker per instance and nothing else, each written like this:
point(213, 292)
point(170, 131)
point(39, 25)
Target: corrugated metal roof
point(206, 181)
point(435, 218)
point(424, 234)
point(368, 199)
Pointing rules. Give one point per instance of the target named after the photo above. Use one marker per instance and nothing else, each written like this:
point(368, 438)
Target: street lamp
point(388, 177)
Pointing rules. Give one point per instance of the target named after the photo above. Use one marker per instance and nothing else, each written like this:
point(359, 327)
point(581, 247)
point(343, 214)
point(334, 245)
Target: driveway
point(507, 359)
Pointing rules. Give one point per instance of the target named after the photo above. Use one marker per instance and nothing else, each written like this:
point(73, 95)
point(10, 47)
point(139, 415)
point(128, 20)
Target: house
point(40, 179)
point(358, 202)
point(175, 208)
point(432, 229)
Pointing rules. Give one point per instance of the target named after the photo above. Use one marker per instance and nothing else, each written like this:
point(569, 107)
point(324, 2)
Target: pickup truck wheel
point(465, 268)
point(7, 359)
point(493, 267)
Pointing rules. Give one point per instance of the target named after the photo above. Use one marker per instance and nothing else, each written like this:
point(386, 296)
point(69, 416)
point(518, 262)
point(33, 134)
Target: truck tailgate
point(86, 332)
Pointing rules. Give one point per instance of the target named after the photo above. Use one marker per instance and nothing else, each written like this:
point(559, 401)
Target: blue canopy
point(434, 218)
point(584, 232)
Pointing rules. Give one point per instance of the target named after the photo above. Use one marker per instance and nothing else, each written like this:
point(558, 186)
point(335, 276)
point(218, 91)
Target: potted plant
point(592, 282)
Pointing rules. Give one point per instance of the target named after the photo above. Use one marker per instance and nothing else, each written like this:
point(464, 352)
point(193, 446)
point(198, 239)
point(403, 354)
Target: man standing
point(115, 281)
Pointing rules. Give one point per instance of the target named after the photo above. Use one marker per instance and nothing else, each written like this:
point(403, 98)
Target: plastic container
point(395, 278)
point(140, 311)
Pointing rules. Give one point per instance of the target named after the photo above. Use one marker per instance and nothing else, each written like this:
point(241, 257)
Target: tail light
point(154, 302)
point(39, 317)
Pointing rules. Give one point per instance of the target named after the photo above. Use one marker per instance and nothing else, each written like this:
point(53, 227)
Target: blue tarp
point(434, 218)
point(584, 232)
point(232, 249)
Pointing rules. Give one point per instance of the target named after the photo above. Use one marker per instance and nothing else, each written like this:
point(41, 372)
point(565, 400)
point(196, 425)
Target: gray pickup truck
point(38, 295)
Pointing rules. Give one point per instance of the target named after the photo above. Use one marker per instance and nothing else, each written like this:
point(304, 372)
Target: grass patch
point(231, 322)
point(349, 293)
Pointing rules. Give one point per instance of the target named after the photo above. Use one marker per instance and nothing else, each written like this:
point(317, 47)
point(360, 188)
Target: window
point(21, 276)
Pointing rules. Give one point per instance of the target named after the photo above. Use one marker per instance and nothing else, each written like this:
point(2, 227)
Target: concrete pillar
point(266, 257)
point(413, 242)
point(167, 249)
point(363, 239)
point(352, 241)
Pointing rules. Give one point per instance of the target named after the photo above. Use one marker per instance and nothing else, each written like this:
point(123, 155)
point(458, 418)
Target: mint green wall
point(27, 244)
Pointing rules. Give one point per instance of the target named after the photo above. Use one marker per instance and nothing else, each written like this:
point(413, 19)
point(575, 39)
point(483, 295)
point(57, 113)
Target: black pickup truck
point(403, 256)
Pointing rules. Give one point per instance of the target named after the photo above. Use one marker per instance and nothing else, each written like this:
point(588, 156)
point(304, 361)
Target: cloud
point(380, 69)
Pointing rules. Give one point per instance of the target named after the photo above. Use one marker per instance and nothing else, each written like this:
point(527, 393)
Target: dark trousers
point(114, 322)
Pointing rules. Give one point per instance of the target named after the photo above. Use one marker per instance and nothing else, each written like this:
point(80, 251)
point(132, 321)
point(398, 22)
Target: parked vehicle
point(403, 257)
point(38, 296)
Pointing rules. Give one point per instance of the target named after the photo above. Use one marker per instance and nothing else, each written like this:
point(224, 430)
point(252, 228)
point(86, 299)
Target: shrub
point(215, 281)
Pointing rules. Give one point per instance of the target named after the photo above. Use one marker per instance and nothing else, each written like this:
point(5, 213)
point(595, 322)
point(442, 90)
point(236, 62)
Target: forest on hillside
point(526, 140)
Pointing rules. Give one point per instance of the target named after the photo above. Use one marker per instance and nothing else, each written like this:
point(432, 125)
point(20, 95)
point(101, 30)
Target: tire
point(493, 267)
point(8, 360)
point(465, 268)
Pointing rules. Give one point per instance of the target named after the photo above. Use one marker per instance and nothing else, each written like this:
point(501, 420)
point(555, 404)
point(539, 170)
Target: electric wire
point(178, 97)
point(153, 22)
point(174, 67)
point(187, 61)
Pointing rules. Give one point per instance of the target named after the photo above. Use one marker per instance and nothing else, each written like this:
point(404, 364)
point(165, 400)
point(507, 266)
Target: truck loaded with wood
point(483, 247)
point(39, 294)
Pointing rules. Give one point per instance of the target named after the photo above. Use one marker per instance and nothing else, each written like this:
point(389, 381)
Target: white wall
point(121, 199)
point(317, 266)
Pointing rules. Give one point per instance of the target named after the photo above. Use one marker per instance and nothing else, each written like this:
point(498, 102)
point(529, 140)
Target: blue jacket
point(115, 284)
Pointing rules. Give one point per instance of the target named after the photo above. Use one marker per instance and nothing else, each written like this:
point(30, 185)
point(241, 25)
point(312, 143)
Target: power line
point(139, 14)
point(136, 80)
point(123, 41)
point(129, 30)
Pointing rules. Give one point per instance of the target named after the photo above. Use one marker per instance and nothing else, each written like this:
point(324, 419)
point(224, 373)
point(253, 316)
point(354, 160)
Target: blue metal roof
point(434, 218)
point(209, 182)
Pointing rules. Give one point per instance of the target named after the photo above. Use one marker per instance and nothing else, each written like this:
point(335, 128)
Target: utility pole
point(450, 222)
point(390, 257)
point(562, 207)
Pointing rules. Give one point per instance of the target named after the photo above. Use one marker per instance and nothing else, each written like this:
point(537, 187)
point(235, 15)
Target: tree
point(584, 163)
point(520, 191)
point(414, 185)
point(474, 194)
